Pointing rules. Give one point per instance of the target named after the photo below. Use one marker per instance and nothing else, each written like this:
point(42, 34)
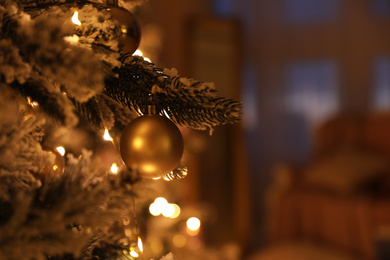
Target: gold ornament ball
point(151, 144)
point(126, 28)
point(58, 167)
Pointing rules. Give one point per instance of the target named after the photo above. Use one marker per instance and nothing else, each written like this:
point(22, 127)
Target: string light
point(134, 254)
point(61, 150)
point(193, 225)
point(138, 53)
point(140, 245)
point(114, 168)
point(75, 18)
point(106, 135)
point(160, 206)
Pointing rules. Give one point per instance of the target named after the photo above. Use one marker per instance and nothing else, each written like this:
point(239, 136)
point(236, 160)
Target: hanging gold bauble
point(152, 145)
point(126, 28)
point(58, 165)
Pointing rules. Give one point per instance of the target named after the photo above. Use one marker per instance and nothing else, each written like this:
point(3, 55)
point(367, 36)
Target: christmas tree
point(68, 76)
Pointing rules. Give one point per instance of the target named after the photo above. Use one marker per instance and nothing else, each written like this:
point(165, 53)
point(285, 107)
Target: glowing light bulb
point(61, 150)
point(32, 103)
point(134, 254)
point(140, 245)
point(154, 209)
point(168, 210)
point(107, 136)
point(137, 53)
point(75, 18)
point(160, 201)
point(114, 168)
point(193, 224)
point(176, 212)
point(157, 207)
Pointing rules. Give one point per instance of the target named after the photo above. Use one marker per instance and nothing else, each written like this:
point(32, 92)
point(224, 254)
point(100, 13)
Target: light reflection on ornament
point(75, 18)
point(106, 135)
point(165, 113)
point(61, 150)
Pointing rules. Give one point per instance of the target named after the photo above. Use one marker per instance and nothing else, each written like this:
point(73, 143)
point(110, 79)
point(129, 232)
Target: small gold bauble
point(151, 144)
point(126, 28)
point(58, 165)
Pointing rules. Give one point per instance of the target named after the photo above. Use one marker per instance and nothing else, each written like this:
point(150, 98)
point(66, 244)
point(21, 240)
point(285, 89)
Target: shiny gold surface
point(151, 144)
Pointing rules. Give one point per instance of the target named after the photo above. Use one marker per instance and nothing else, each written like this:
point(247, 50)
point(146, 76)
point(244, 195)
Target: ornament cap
point(151, 109)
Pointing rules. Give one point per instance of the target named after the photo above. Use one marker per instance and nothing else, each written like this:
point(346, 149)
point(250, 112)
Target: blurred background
point(314, 79)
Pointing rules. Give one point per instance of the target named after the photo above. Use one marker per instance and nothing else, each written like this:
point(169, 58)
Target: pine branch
point(41, 44)
point(51, 101)
point(40, 222)
point(186, 101)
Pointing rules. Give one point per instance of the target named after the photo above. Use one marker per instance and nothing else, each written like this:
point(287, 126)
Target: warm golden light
point(193, 224)
point(176, 212)
point(168, 210)
point(32, 103)
point(138, 143)
point(147, 59)
point(138, 53)
point(179, 241)
point(114, 168)
point(75, 18)
point(55, 167)
point(154, 209)
point(61, 150)
point(160, 201)
point(140, 245)
point(107, 136)
point(134, 254)
point(128, 232)
point(161, 206)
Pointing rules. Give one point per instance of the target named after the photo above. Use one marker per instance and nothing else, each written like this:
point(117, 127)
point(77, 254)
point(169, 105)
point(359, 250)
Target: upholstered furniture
point(338, 205)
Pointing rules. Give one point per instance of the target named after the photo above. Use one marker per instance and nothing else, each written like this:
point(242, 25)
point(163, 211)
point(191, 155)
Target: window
point(381, 7)
point(381, 97)
point(312, 89)
point(301, 11)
